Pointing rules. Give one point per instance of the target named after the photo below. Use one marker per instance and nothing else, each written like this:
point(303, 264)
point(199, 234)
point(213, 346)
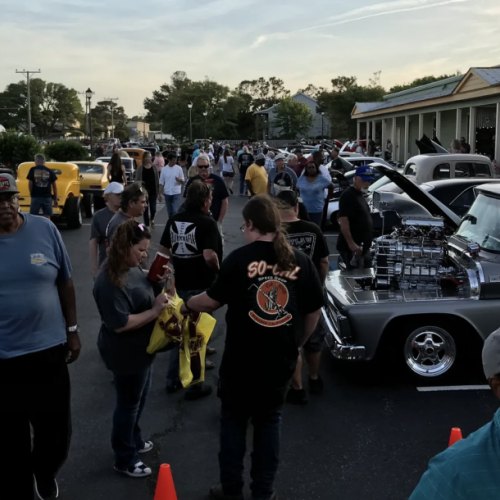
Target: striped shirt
point(468, 470)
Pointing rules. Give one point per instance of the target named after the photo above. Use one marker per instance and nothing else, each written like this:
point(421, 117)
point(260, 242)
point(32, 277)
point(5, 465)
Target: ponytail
point(284, 252)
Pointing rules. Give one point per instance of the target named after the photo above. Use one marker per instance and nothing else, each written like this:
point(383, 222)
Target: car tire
point(73, 212)
point(334, 221)
point(88, 205)
point(430, 350)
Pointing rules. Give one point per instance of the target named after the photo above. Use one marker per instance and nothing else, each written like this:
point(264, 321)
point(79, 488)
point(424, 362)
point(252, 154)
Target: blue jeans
point(243, 186)
point(238, 407)
point(317, 218)
point(173, 367)
point(131, 394)
point(41, 203)
point(172, 203)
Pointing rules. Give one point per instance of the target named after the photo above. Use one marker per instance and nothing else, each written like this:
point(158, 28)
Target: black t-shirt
point(42, 178)
point(148, 177)
point(265, 314)
point(187, 234)
point(308, 238)
point(219, 192)
point(245, 160)
point(337, 165)
point(353, 205)
point(124, 353)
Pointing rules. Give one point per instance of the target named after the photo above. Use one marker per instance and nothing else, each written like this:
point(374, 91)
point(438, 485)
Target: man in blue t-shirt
point(43, 188)
point(38, 337)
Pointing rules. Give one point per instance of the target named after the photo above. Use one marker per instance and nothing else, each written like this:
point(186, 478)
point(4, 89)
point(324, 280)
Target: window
point(482, 170)
point(472, 170)
point(464, 200)
point(410, 169)
point(463, 170)
point(442, 171)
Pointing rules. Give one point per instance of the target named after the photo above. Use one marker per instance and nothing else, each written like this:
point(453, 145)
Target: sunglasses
point(203, 166)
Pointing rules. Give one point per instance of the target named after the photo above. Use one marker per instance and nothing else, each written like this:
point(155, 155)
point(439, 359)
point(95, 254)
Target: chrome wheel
point(430, 351)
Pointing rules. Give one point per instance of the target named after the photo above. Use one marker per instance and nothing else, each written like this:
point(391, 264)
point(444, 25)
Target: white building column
point(374, 130)
point(458, 130)
point(438, 125)
point(407, 138)
point(393, 140)
point(497, 135)
point(420, 126)
point(383, 137)
point(472, 129)
point(367, 132)
point(358, 131)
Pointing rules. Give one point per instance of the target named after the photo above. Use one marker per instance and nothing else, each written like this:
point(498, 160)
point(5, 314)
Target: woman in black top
point(116, 170)
point(129, 305)
point(148, 174)
point(274, 298)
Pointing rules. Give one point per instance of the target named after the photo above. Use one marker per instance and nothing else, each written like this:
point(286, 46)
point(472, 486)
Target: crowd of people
point(273, 288)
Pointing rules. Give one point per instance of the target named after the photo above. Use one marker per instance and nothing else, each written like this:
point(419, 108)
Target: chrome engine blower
point(412, 257)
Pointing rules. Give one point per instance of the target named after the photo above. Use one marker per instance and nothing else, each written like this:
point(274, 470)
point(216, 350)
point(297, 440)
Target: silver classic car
point(433, 294)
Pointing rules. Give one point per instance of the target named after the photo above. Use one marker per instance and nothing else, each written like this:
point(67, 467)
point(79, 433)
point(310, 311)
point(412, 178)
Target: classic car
point(136, 154)
point(93, 182)
point(431, 298)
point(129, 163)
point(435, 166)
point(69, 198)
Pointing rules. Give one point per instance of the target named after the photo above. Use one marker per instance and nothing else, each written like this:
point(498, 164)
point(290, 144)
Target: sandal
point(209, 365)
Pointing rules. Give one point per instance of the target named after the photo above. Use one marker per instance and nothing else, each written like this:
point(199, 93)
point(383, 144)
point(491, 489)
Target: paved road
point(358, 440)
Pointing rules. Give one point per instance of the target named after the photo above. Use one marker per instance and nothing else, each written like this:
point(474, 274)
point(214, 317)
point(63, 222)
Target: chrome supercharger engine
point(413, 257)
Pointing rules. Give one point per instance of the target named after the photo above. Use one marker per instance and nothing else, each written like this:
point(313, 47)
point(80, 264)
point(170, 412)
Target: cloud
point(370, 11)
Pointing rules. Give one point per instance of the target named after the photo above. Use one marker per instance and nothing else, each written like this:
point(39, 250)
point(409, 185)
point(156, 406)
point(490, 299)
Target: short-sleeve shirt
point(245, 160)
point(219, 192)
point(124, 353)
point(258, 177)
point(313, 193)
point(168, 179)
point(300, 166)
point(352, 204)
point(34, 261)
point(115, 221)
point(187, 234)
point(42, 178)
point(265, 314)
point(274, 172)
point(308, 238)
point(98, 227)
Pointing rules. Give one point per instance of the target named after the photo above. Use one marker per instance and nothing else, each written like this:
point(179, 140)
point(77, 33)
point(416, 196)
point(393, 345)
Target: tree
point(424, 80)
point(263, 93)
point(312, 91)
point(101, 119)
point(63, 151)
point(17, 148)
point(293, 118)
point(13, 106)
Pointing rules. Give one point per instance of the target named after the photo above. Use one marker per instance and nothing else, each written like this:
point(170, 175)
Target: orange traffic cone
point(165, 489)
point(456, 435)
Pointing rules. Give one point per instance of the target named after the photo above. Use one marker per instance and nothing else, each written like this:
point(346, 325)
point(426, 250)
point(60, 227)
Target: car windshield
point(482, 224)
point(91, 169)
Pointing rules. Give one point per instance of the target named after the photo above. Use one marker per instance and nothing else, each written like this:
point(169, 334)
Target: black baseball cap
point(289, 198)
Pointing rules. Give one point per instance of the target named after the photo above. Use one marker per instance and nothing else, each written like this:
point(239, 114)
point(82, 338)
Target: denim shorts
point(41, 203)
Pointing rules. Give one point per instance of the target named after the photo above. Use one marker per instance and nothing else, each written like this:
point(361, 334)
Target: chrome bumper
point(339, 348)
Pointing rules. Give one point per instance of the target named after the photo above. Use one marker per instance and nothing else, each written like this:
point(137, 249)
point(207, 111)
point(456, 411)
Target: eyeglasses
point(203, 166)
point(243, 227)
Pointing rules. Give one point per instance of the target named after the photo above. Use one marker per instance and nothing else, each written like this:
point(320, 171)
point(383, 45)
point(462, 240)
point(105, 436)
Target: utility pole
point(28, 74)
point(111, 99)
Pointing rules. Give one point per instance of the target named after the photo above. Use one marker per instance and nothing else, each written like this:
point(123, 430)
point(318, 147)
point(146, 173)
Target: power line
point(28, 73)
point(112, 122)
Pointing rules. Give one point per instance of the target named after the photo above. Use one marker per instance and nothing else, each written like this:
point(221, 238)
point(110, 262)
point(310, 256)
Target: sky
point(127, 49)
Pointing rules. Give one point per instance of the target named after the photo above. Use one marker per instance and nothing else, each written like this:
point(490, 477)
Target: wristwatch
point(73, 329)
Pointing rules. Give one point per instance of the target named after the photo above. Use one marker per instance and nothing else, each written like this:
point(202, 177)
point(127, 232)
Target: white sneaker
point(47, 494)
point(137, 470)
point(148, 446)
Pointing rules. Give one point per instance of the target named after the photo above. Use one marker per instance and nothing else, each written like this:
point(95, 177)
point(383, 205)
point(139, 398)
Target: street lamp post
point(205, 113)
point(322, 122)
point(190, 106)
point(88, 95)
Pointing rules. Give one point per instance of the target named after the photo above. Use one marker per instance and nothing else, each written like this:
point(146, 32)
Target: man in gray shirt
point(100, 221)
point(279, 168)
point(133, 204)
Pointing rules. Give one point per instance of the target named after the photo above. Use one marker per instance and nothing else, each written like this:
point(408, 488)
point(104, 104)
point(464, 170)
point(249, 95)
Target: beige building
point(462, 106)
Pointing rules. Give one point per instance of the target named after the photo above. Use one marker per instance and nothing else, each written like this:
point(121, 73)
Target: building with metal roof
point(461, 106)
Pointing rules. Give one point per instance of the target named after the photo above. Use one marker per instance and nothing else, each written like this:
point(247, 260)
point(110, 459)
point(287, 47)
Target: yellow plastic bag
point(168, 326)
point(196, 332)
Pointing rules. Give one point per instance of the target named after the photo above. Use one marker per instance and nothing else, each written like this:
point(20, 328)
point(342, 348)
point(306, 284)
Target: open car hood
point(434, 206)
point(428, 146)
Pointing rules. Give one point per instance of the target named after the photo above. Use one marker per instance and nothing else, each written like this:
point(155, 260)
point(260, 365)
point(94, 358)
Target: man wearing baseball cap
point(355, 221)
point(283, 171)
point(470, 468)
point(39, 337)
point(100, 221)
point(256, 176)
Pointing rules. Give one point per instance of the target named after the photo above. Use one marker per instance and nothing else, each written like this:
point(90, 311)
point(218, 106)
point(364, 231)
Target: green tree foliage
point(263, 93)
point(17, 148)
point(101, 120)
point(293, 118)
point(66, 151)
point(420, 81)
point(54, 107)
point(312, 91)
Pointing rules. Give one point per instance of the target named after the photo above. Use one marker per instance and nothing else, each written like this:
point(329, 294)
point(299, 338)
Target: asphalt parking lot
point(359, 440)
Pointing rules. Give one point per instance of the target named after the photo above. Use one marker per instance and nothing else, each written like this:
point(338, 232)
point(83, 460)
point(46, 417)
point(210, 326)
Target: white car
point(436, 166)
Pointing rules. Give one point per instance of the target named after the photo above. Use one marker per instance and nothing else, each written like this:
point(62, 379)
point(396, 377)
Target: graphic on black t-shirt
point(42, 178)
point(271, 294)
point(183, 238)
point(305, 242)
